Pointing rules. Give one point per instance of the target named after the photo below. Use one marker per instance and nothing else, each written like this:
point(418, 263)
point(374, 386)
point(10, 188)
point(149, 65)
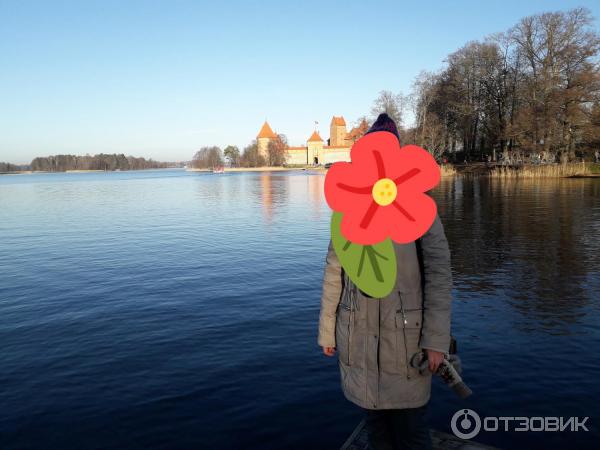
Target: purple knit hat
point(384, 123)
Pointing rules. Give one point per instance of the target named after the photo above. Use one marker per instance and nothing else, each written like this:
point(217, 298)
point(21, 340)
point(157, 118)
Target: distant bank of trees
point(210, 157)
point(532, 90)
point(251, 157)
point(61, 163)
point(8, 167)
point(275, 156)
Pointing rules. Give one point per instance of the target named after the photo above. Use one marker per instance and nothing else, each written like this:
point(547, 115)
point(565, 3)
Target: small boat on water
point(218, 169)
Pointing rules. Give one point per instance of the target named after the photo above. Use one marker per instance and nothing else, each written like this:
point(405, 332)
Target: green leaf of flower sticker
point(370, 267)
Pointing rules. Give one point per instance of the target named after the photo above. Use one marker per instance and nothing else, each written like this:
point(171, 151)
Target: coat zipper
point(350, 330)
point(353, 305)
point(404, 322)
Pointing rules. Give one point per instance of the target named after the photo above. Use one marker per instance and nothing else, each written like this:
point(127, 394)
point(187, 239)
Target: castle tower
point(337, 132)
point(315, 149)
point(265, 135)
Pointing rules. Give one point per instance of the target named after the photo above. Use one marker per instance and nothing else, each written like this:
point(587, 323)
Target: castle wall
point(332, 155)
point(337, 150)
point(296, 157)
point(325, 155)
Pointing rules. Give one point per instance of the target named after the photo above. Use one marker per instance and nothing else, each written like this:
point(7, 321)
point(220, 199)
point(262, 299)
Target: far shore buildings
point(315, 152)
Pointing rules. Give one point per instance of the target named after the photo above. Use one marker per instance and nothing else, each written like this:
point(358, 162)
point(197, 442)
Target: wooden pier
point(441, 441)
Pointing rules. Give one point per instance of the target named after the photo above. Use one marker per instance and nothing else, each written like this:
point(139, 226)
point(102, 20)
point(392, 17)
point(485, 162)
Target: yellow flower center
point(384, 191)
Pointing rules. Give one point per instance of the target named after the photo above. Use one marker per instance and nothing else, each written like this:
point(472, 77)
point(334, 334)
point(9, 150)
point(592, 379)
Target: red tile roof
point(338, 121)
point(359, 131)
point(315, 137)
point(266, 132)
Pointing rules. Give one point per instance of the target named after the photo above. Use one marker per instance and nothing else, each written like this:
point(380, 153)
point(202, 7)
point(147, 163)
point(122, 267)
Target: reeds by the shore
point(542, 171)
point(447, 170)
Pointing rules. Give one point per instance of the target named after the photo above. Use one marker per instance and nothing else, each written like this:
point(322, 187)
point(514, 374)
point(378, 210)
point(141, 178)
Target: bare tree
point(251, 156)
point(533, 90)
point(276, 151)
point(207, 158)
point(102, 161)
point(560, 76)
point(391, 104)
point(423, 94)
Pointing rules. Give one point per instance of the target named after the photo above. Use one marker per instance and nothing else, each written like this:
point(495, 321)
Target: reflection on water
point(316, 186)
point(532, 240)
point(267, 196)
point(166, 309)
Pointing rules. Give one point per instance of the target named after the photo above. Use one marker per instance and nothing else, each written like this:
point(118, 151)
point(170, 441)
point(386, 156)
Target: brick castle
point(315, 152)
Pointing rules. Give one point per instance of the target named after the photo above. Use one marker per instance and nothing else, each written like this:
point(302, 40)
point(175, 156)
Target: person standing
point(375, 339)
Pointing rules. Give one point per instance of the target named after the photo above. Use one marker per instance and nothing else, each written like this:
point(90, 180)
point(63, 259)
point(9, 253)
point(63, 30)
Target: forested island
point(105, 162)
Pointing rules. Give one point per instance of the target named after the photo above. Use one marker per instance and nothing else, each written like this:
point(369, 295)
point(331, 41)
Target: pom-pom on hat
point(384, 123)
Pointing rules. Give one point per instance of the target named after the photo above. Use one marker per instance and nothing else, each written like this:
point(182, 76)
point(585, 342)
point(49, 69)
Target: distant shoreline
point(30, 172)
point(17, 172)
point(251, 169)
point(528, 170)
point(570, 170)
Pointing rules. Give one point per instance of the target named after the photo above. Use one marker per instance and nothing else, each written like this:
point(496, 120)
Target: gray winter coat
point(375, 338)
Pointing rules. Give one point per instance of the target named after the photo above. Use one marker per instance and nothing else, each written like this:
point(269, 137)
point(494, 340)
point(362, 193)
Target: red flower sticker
point(381, 193)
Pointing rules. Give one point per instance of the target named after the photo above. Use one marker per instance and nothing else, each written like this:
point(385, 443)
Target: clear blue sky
point(162, 78)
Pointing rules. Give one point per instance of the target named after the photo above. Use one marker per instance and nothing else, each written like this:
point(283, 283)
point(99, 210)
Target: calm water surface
point(175, 310)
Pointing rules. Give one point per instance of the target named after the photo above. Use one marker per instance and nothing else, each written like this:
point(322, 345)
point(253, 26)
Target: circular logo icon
point(466, 423)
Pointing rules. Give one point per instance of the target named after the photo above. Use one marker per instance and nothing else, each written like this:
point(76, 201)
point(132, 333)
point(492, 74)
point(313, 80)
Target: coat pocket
point(408, 331)
point(344, 325)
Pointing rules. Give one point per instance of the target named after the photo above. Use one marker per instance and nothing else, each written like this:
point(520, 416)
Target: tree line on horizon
point(108, 162)
point(8, 167)
point(213, 156)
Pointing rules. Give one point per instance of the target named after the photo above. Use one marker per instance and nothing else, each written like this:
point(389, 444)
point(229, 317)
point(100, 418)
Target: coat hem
point(405, 405)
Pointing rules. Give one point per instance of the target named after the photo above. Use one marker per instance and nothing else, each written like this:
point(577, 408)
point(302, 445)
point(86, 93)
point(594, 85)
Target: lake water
point(177, 310)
